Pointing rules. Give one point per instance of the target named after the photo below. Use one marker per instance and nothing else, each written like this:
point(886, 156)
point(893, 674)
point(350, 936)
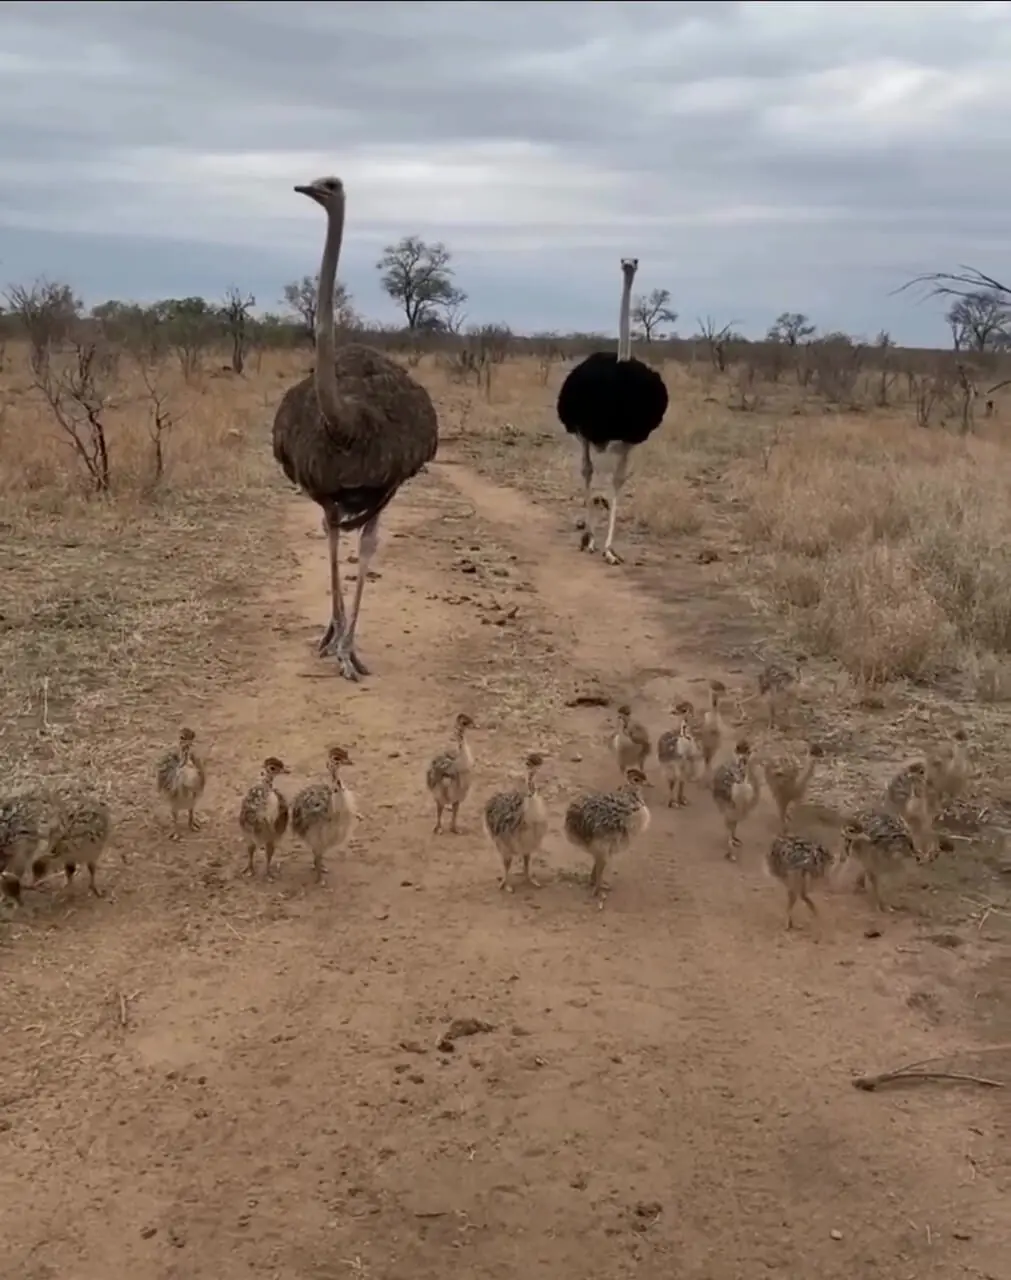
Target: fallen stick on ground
point(912, 1071)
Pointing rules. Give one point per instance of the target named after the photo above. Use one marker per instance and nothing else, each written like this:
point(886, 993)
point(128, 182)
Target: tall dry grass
point(888, 546)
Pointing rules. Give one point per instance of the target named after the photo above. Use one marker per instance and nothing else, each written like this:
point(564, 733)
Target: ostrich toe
point(351, 665)
point(611, 556)
point(330, 638)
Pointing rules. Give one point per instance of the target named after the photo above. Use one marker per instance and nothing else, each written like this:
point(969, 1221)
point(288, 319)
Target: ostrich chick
point(263, 815)
point(181, 780)
point(678, 754)
point(450, 774)
point(323, 814)
point(788, 775)
point(879, 841)
point(604, 823)
point(949, 768)
point(711, 730)
point(631, 743)
point(797, 863)
point(736, 788)
point(517, 822)
point(28, 823)
point(911, 797)
point(79, 839)
point(777, 682)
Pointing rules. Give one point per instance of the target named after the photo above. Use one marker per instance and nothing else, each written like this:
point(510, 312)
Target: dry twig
point(911, 1071)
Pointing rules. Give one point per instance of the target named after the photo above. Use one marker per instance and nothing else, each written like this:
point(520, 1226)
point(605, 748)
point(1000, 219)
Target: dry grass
point(881, 546)
point(114, 612)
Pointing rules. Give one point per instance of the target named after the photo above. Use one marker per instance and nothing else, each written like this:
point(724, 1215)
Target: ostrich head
point(324, 191)
point(629, 266)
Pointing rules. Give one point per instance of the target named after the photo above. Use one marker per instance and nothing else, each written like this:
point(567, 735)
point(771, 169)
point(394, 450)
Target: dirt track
point(666, 1088)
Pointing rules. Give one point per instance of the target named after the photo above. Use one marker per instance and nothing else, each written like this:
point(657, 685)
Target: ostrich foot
point(351, 666)
point(586, 542)
point(611, 556)
point(330, 638)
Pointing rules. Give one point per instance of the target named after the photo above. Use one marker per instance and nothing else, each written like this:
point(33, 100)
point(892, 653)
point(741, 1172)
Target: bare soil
point(206, 1076)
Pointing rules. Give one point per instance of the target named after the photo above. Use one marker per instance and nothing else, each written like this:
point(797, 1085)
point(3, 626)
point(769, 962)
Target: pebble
point(835, 1234)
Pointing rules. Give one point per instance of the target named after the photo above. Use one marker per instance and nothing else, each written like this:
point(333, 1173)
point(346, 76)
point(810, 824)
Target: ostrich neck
point(625, 320)
point(326, 346)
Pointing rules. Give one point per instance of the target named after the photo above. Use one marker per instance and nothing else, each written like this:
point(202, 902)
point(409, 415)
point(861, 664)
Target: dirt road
point(232, 1078)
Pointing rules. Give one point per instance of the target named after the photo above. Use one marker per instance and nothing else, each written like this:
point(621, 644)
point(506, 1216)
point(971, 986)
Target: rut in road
point(666, 1087)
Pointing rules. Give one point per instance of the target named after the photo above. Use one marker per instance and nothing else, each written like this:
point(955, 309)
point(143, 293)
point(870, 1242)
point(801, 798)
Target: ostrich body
point(611, 402)
point(349, 435)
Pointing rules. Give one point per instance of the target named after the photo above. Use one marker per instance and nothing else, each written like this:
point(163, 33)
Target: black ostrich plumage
point(605, 400)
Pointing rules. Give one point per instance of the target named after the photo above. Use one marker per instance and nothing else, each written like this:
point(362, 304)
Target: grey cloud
point(757, 156)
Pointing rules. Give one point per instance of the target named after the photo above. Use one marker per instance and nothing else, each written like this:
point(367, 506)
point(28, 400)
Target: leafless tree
point(300, 297)
point(651, 310)
point(235, 317)
point(716, 338)
point(163, 416)
point(80, 390)
point(47, 313)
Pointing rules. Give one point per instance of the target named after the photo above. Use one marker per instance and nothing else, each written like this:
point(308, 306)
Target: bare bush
point(46, 313)
point(80, 391)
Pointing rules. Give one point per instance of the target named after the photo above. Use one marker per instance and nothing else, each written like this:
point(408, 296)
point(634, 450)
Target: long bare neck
point(625, 318)
point(336, 781)
point(531, 782)
point(326, 346)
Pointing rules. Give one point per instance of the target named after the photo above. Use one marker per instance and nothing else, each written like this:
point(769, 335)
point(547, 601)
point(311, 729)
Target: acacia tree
point(791, 327)
point(978, 321)
point(419, 278)
point(651, 310)
point(300, 297)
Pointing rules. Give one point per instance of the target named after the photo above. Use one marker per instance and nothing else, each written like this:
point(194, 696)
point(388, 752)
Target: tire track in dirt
point(276, 1105)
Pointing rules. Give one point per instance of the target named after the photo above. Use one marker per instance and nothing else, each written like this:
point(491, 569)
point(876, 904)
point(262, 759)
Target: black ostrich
point(349, 435)
point(611, 402)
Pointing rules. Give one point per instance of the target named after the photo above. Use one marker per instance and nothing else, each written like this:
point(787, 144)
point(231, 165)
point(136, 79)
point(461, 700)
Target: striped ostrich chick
point(788, 774)
point(611, 403)
point(710, 732)
point(798, 864)
point(181, 778)
point(67, 831)
point(910, 796)
point(736, 789)
point(449, 775)
point(604, 823)
point(263, 815)
point(323, 815)
point(517, 822)
point(631, 743)
point(679, 755)
point(880, 842)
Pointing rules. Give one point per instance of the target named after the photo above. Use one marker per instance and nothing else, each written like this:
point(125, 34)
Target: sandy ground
point(241, 1078)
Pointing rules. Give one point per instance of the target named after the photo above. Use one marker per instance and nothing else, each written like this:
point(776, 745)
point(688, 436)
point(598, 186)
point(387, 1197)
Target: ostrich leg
point(351, 665)
point(587, 543)
point(617, 482)
point(338, 619)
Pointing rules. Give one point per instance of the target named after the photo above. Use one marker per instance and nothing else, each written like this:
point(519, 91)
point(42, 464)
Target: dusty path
point(665, 1092)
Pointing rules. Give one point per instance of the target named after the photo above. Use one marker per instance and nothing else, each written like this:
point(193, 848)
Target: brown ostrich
point(349, 435)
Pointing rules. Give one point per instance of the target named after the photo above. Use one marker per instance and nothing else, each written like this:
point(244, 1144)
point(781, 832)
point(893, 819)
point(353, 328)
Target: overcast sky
point(756, 157)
